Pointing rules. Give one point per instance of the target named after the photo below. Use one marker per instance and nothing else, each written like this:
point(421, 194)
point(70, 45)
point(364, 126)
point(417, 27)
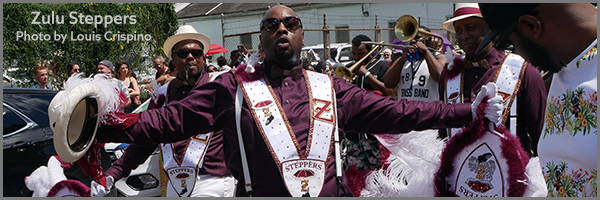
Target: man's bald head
point(282, 36)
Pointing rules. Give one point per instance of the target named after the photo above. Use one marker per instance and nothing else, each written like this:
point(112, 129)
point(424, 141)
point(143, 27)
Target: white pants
point(210, 186)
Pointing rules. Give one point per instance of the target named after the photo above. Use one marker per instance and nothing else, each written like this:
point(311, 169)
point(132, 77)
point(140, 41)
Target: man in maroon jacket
point(210, 107)
point(470, 30)
point(209, 177)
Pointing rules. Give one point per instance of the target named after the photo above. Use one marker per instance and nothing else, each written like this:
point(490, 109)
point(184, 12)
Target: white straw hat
point(74, 123)
point(463, 10)
point(186, 32)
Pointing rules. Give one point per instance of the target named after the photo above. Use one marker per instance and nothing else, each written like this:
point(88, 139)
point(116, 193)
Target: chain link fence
point(317, 36)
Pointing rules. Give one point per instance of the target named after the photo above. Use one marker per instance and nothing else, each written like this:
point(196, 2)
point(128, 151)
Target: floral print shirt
point(568, 144)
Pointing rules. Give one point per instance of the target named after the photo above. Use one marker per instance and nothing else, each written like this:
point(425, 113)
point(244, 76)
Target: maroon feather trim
point(74, 186)
point(91, 164)
point(356, 179)
point(458, 66)
point(516, 160)
point(247, 77)
point(63, 164)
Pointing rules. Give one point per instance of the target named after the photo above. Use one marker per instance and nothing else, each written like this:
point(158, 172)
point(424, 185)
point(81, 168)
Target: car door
point(26, 147)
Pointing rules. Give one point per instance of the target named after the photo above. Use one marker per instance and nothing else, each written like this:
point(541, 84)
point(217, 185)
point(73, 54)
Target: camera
point(241, 48)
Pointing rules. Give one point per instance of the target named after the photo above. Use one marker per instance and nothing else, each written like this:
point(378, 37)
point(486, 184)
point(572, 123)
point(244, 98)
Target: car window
point(34, 106)
point(345, 54)
point(12, 122)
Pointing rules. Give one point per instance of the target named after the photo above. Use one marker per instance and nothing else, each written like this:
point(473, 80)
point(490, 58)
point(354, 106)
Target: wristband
point(367, 74)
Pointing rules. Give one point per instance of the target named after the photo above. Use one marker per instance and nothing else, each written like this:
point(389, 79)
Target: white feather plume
point(109, 96)
point(450, 55)
point(252, 61)
point(414, 159)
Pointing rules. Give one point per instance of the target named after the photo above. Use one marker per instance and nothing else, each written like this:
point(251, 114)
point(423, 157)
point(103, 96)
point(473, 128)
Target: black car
point(27, 139)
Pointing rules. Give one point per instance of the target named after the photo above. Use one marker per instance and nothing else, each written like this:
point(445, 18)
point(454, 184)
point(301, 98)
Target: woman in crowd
point(123, 73)
point(72, 68)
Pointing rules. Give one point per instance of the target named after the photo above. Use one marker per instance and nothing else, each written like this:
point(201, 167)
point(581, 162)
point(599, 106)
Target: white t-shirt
point(416, 83)
point(568, 144)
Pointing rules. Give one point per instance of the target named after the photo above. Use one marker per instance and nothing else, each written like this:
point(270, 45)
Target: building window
point(342, 36)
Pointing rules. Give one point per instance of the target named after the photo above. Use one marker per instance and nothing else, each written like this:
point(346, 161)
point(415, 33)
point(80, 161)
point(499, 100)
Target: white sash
point(192, 159)
point(303, 174)
point(453, 95)
point(182, 174)
point(508, 82)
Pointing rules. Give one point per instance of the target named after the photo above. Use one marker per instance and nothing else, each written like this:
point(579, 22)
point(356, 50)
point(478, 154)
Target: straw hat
point(186, 32)
point(463, 10)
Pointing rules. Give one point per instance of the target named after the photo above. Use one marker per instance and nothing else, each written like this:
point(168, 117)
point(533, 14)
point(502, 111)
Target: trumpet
point(406, 29)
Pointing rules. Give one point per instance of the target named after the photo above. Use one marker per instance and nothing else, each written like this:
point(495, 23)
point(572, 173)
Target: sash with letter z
point(303, 174)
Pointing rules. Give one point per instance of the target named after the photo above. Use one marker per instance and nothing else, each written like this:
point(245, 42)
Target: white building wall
point(432, 16)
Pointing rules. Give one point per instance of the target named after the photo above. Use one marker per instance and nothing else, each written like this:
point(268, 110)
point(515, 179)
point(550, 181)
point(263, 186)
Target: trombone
point(406, 29)
point(346, 73)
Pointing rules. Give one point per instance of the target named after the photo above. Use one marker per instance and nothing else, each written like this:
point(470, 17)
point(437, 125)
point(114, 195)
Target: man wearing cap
point(568, 145)
point(287, 118)
point(332, 60)
point(106, 67)
point(525, 120)
point(396, 54)
point(200, 157)
point(462, 76)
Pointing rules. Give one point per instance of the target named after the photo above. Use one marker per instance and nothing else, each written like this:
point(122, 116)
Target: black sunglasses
point(291, 23)
point(183, 53)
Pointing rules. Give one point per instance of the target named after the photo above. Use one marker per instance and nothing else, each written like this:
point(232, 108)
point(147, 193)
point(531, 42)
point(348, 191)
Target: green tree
point(155, 20)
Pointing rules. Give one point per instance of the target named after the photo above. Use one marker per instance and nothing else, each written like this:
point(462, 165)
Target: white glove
point(494, 109)
point(97, 190)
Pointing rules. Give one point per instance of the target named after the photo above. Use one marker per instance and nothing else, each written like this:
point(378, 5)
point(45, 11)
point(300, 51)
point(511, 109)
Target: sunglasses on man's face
point(291, 23)
point(183, 53)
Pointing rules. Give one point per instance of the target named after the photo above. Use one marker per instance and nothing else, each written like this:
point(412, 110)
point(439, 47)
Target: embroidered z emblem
point(324, 110)
point(481, 172)
point(304, 186)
